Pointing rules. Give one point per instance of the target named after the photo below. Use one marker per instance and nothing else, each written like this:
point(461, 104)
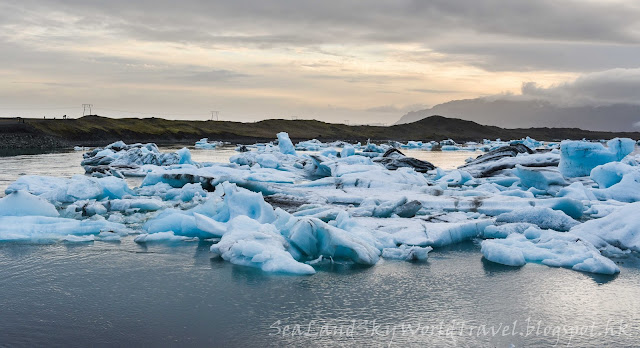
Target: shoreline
point(56, 134)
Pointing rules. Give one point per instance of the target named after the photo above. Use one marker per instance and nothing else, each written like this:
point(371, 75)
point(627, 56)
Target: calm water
point(125, 294)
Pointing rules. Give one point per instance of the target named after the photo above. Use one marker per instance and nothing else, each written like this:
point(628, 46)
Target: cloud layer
point(332, 60)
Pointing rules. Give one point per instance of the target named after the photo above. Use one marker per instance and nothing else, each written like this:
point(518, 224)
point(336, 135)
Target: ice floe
point(284, 208)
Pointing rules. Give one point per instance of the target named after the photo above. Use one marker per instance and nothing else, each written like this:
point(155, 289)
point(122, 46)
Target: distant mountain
point(535, 113)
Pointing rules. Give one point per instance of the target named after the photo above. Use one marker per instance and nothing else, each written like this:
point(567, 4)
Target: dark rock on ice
point(393, 159)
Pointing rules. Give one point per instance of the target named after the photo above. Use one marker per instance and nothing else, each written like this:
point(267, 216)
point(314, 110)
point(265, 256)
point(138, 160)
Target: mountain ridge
point(534, 113)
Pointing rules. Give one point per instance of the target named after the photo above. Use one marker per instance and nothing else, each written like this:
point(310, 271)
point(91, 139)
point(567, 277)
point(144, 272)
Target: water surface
point(125, 294)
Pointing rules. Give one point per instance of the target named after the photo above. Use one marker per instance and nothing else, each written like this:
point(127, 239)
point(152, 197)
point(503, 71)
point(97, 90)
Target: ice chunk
point(621, 229)
point(227, 202)
point(206, 145)
point(609, 174)
point(502, 231)
point(576, 191)
point(70, 238)
point(45, 229)
point(347, 151)
point(455, 178)
point(502, 254)
point(423, 233)
point(129, 159)
point(617, 181)
point(578, 158)
point(544, 218)
point(540, 178)
point(313, 238)
point(556, 249)
point(184, 156)
point(164, 237)
point(266, 160)
point(22, 203)
point(36, 184)
point(384, 209)
point(285, 144)
point(250, 243)
point(79, 187)
point(407, 253)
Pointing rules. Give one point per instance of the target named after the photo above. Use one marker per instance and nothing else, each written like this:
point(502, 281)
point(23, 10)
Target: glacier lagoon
point(126, 292)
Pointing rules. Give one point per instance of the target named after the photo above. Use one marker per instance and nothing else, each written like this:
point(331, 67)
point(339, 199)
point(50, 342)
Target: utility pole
point(214, 113)
point(86, 107)
point(346, 122)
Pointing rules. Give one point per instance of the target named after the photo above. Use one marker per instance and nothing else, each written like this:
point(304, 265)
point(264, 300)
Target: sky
point(361, 62)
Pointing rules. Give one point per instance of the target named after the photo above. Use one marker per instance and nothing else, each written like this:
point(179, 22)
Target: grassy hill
point(96, 130)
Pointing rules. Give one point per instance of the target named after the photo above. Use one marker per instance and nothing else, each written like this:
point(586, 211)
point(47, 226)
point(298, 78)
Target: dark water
point(125, 294)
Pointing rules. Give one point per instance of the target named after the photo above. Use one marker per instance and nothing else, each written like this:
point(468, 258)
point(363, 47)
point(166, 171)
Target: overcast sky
point(363, 61)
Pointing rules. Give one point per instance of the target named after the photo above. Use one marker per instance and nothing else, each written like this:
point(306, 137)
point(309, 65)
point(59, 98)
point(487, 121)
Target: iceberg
point(618, 181)
point(407, 253)
point(551, 248)
point(47, 229)
point(540, 178)
point(544, 218)
point(206, 145)
point(119, 157)
point(250, 243)
point(163, 237)
point(578, 158)
point(619, 229)
point(22, 203)
point(285, 144)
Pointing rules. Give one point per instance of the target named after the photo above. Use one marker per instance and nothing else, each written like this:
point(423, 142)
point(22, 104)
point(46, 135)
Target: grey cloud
point(540, 55)
point(288, 21)
point(496, 35)
point(605, 87)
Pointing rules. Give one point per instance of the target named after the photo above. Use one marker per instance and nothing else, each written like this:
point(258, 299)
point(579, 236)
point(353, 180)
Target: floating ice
point(620, 229)
point(285, 145)
point(508, 157)
point(578, 158)
point(407, 253)
point(544, 218)
point(540, 178)
point(46, 229)
point(206, 145)
point(617, 181)
point(313, 238)
point(347, 151)
point(79, 187)
point(556, 249)
point(163, 237)
point(310, 145)
point(22, 203)
point(250, 243)
point(128, 159)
